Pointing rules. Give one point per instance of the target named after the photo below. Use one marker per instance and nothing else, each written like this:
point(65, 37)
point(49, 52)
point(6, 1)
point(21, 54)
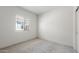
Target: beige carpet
point(38, 46)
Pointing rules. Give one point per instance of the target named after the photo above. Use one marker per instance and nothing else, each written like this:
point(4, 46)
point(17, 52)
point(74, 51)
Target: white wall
point(8, 33)
point(74, 28)
point(57, 25)
point(77, 30)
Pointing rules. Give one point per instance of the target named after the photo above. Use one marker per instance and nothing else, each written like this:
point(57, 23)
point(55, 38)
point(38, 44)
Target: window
point(19, 23)
point(26, 24)
point(22, 24)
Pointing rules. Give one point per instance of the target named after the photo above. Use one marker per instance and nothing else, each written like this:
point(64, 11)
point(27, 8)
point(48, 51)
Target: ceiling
point(38, 9)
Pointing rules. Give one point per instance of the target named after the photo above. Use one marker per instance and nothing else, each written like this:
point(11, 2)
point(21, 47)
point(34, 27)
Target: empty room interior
point(39, 29)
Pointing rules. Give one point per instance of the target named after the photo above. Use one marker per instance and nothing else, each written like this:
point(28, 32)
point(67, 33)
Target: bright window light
point(22, 24)
point(19, 23)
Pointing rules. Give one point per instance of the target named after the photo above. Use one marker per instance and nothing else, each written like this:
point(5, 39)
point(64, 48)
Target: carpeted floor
point(38, 46)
